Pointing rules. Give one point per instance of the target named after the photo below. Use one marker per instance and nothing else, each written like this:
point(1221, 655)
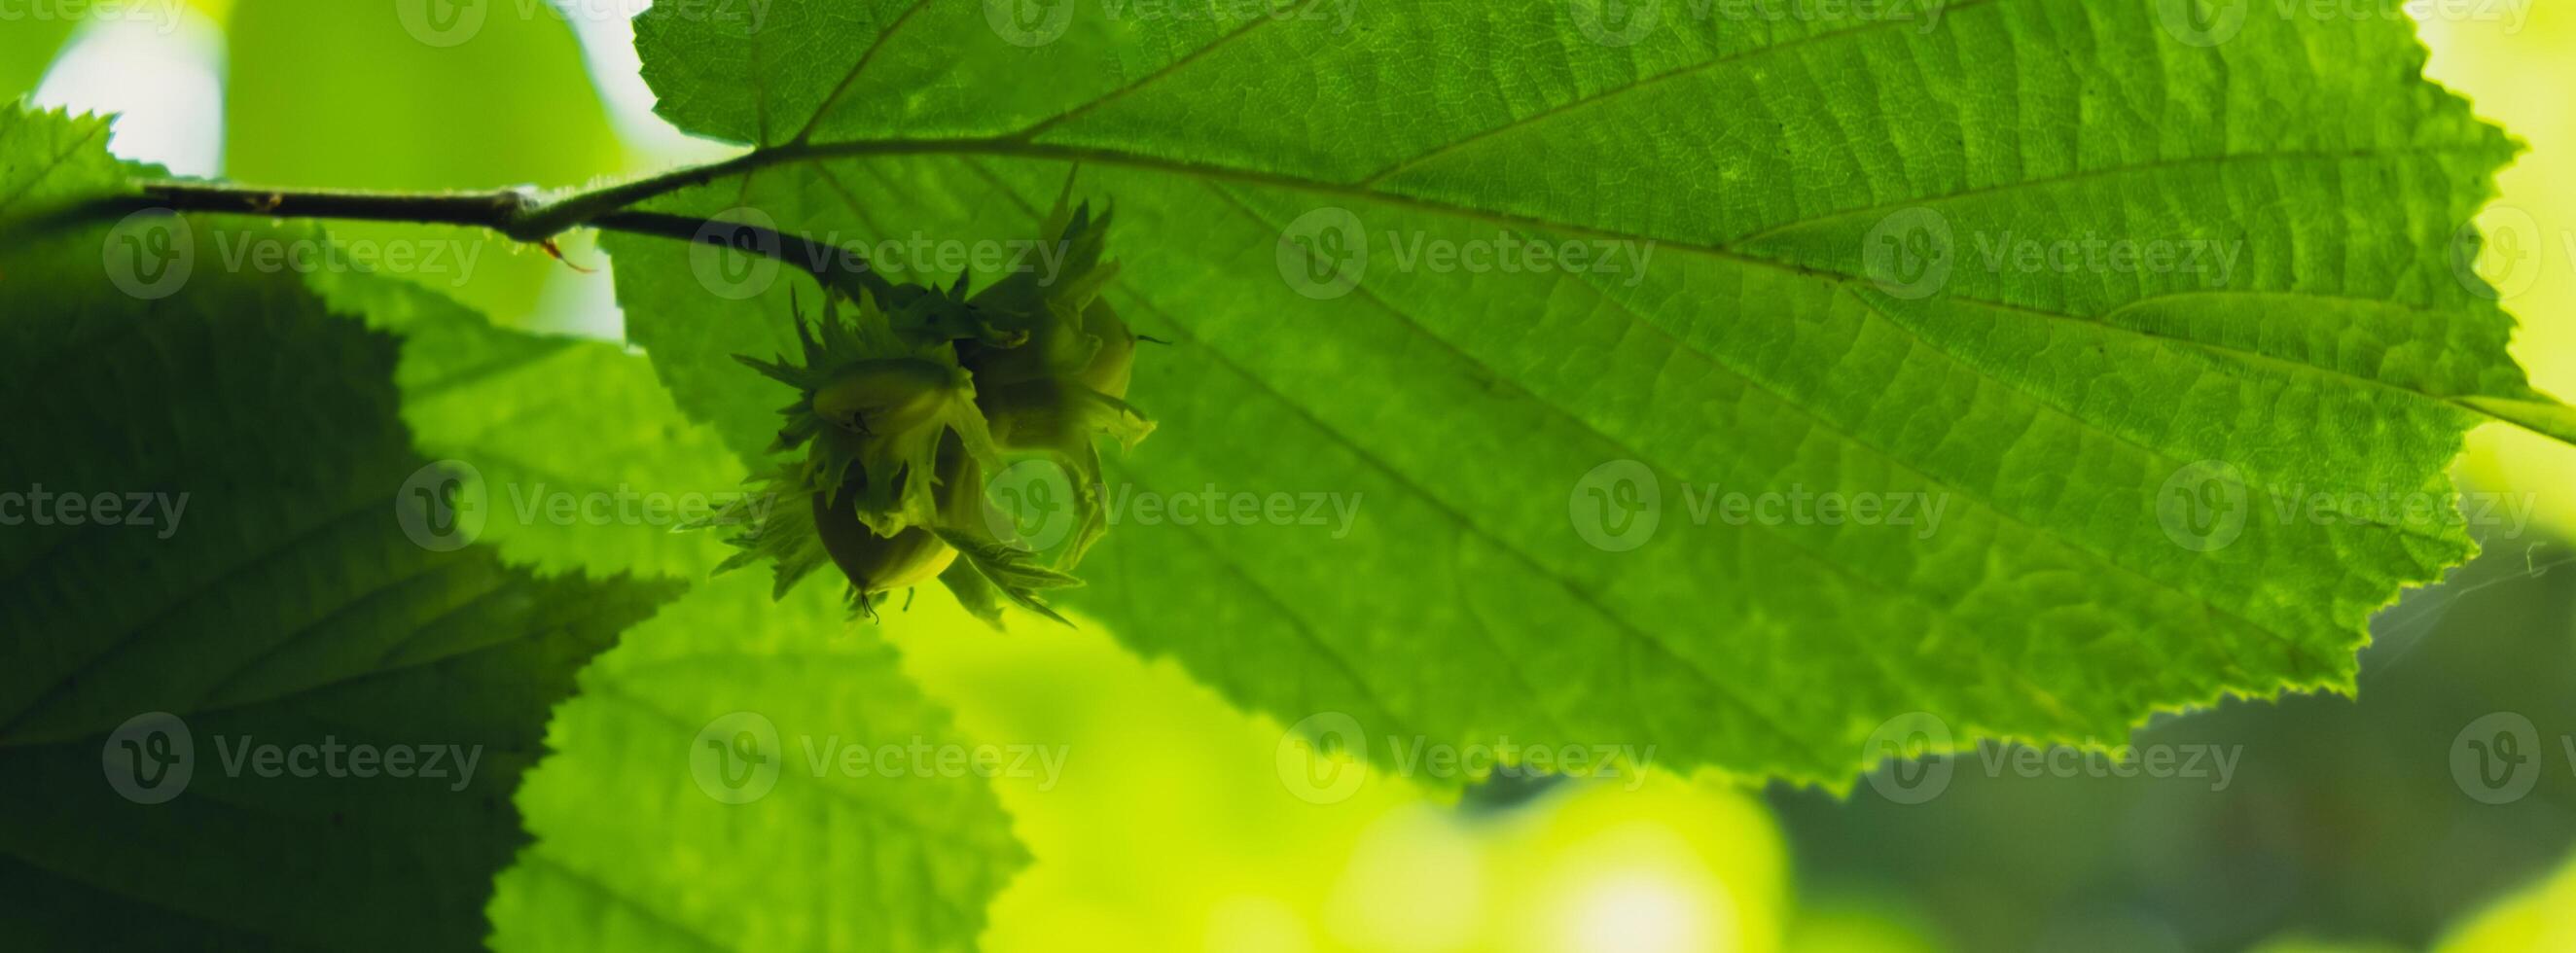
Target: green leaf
point(49, 158)
point(649, 840)
point(270, 592)
point(575, 448)
point(1740, 175)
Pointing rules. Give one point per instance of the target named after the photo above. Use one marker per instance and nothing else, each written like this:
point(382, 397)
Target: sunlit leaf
point(1808, 272)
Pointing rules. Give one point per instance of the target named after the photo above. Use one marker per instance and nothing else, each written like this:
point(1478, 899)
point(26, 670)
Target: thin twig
point(513, 213)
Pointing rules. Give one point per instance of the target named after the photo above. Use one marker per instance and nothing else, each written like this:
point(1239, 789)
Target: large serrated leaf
point(250, 585)
point(1806, 274)
point(836, 809)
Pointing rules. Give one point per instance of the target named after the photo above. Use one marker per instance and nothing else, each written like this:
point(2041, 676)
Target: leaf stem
point(495, 210)
point(547, 219)
point(515, 213)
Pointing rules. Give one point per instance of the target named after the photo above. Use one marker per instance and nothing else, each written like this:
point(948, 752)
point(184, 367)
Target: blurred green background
point(2341, 827)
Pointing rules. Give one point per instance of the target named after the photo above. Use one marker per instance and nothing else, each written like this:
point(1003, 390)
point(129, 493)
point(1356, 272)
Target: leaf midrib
point(1015, 147)
point(1019, 147)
